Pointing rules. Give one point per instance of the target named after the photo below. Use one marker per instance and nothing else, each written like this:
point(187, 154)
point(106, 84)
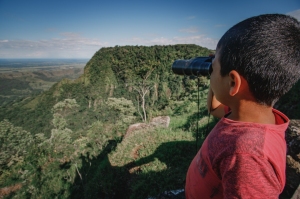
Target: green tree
point(14, 144)
point(124, 109)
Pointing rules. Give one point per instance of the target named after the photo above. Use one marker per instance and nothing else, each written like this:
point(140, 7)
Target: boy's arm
point(214, 107)
point(249, 176)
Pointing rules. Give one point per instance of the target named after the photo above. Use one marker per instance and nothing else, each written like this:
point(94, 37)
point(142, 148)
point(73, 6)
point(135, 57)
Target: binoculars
point(199, 66)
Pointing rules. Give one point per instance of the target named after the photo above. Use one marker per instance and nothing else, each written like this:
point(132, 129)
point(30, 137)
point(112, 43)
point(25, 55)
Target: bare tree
point(142, 89)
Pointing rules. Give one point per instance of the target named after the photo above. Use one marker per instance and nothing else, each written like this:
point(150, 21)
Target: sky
point(79, 28)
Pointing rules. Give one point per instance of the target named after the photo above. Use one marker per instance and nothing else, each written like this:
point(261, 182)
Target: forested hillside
point(112, 72)
point(69, 141)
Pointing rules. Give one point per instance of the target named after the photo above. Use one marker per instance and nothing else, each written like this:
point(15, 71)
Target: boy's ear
point(235, 82)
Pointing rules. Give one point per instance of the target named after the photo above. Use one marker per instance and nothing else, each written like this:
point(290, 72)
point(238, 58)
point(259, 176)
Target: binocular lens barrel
point(199, 66)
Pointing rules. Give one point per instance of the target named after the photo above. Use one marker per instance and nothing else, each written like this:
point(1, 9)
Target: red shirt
point(240, 160)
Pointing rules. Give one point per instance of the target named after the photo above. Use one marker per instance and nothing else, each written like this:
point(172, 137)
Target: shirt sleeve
point(248, 176)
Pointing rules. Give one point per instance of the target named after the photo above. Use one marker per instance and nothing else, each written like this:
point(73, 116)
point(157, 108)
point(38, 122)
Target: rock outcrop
point(161, 121)
point(292, 161)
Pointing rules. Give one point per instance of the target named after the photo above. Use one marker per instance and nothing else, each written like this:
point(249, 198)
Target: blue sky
point(77, 29)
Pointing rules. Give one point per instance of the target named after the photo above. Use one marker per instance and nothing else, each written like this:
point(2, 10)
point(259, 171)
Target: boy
point(256, 62)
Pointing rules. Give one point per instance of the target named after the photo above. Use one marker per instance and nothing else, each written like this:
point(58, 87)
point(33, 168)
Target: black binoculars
point(199, 66)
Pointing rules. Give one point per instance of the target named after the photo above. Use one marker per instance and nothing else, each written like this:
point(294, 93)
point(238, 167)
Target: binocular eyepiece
point(199, 66)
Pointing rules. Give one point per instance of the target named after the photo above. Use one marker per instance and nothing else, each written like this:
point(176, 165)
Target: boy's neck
point(249, 111)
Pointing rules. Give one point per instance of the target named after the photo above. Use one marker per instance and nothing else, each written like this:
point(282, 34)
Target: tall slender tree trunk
point(143, 107)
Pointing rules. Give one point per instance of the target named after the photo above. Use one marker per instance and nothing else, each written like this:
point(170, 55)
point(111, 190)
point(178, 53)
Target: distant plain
point(20, 78)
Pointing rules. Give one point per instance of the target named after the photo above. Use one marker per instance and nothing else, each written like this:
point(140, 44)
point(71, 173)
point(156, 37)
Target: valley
point(19, 79)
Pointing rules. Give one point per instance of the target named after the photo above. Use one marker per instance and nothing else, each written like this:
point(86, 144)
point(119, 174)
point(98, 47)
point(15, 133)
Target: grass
point(153, 161)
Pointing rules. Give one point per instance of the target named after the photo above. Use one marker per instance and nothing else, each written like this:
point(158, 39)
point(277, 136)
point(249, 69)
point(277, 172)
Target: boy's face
point(219, 84)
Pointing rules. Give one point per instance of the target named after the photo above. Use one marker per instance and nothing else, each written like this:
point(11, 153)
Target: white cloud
point(295, 13)
point(70, 34)
point(71, 45)
point(200, 40)
point(190, 30)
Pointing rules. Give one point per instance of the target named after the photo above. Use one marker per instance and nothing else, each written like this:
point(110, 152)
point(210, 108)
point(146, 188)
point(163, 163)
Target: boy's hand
point(215, 107)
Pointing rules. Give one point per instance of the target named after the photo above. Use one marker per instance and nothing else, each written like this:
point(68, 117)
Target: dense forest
point(68, 142)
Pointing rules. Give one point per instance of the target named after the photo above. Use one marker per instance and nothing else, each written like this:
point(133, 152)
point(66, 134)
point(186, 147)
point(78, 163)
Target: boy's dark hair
point(265, 50)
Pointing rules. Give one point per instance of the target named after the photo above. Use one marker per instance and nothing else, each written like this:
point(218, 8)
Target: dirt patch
point(135, 151)
point(8, 190)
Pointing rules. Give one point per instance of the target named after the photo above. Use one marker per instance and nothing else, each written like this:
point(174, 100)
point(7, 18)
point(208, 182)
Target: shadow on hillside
point(100, 179)
point(204, 126)
point(97, 178)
